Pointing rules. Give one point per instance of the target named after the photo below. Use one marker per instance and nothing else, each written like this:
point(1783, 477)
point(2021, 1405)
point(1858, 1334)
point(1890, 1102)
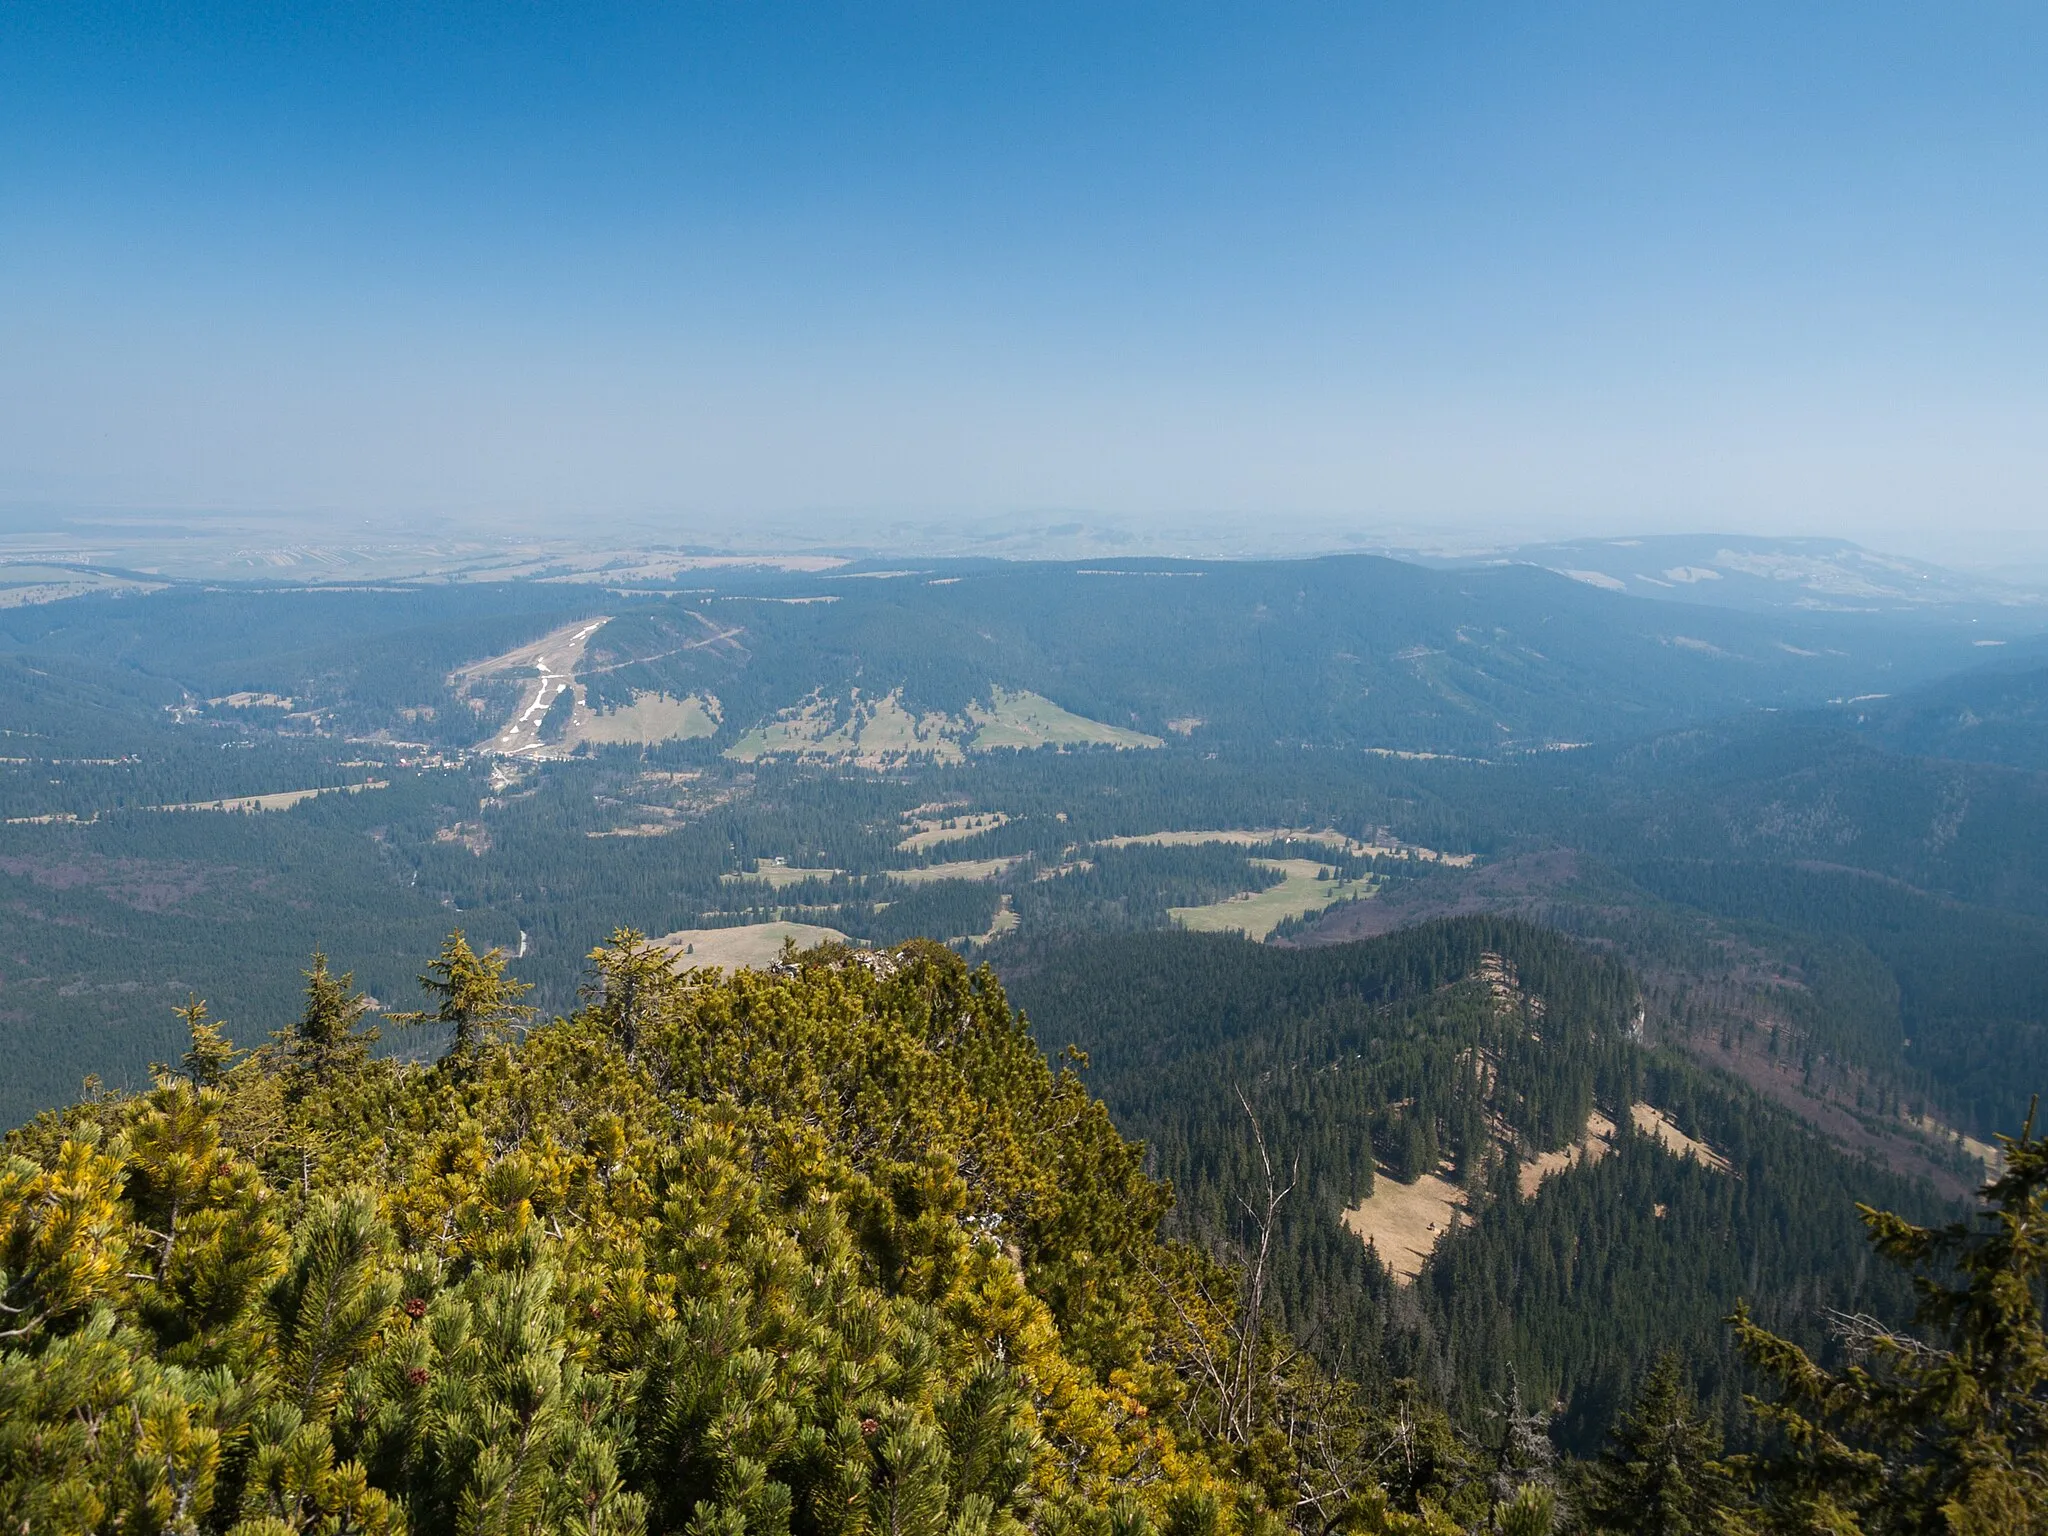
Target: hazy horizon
point(1293, 275)
point(151, 538)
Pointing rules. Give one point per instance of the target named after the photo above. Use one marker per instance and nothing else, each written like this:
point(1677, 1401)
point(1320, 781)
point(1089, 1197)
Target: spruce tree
point(476, 999)
point(908, 1490)
point(1659, 1475)
point(990, 1444)
point(208, 1052)
point(332, 1299)
point(212, 1241)
point(329, 1038)
point(636, 983)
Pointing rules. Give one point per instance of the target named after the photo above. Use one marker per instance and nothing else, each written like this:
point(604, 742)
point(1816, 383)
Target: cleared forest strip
point(283, 800)
point(1252, 837)
point(959, 869)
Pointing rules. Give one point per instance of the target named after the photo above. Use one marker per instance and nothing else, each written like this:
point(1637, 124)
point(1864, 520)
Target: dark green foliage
point(477, 1000)
point(1969, 984)
point(554, 723)
point(1990, 715)
point(1133, 888)
point(832, 1251)
point(331, 1300)
point(1941, 1430)
point(114, 923)
point(1587, 1283)
point(208, 1054)
point(329, 1040)
point(1660, 1473)
point(1803, 791)
point(825, 1252)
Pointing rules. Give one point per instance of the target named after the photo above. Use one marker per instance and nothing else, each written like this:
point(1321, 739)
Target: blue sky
point(1542, 269)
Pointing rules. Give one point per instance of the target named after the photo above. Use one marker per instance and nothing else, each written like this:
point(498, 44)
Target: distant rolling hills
point(1993, 714)
point(1352, 652)
point(802, 716)
point(1346, 652)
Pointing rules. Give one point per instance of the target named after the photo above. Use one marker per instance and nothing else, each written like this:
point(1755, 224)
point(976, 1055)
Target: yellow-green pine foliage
point(829, 1250)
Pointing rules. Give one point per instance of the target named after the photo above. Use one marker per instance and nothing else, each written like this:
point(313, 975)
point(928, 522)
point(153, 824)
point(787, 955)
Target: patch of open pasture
point(1305, 888)
point(1594, 1143)
point(1005, 921)
point(748, 947)
point(934, 830)
point(776, 875)
point(882, 731)
point(959, 869)
point(869, 732)
point(650, 718)
point(1653, 1122)
point(1253, 837)
point(1024, 721)
point(282, 800)
point(1597, 1140)
point(1403, 1223)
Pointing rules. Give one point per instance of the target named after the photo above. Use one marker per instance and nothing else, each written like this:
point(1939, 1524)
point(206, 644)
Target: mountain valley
point(1583, 961)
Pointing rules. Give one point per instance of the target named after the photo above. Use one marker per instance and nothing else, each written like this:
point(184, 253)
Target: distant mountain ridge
point(1345, 652)
point(1996, 714)
point(1763, 575)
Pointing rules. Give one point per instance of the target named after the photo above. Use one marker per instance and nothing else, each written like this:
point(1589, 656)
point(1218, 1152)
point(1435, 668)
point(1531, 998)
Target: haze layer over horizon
point(1590, 269)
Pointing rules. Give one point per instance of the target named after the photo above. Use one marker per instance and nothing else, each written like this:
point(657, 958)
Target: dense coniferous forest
point(1402, 1057)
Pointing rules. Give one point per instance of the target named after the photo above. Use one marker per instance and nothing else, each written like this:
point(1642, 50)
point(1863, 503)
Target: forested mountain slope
point(1465, 1051)
point(1986, 715)
point(1887, 912)
point(1801, 790)
point(351, 661)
